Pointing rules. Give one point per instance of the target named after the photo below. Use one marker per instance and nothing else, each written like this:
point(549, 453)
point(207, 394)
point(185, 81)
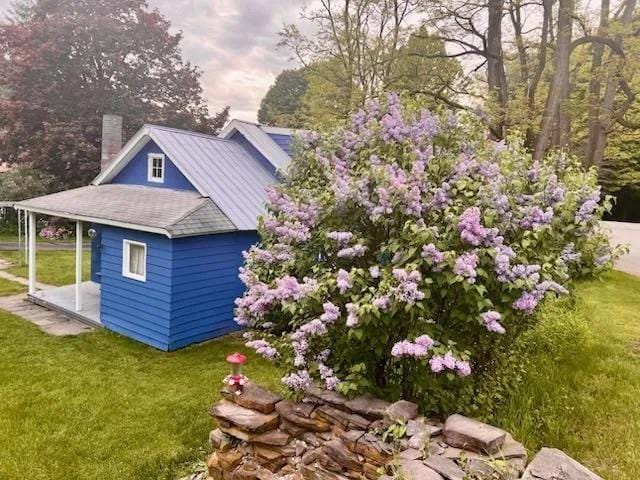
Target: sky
point(234, 43)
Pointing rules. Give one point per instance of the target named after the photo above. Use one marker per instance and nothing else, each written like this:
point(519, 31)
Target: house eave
point(92, 219)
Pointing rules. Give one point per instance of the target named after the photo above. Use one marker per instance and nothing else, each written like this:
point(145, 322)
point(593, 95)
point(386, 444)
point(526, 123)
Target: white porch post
point(78, 265)
point(32, 253)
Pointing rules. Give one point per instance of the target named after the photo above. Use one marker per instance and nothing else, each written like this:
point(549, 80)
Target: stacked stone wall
point(261, 436)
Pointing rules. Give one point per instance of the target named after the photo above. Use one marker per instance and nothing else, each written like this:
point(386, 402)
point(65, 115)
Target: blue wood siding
point(285, 142)
point(135, 173)
point(189, 293)
point(205, 285)
point(140, 310)
point(253, 151)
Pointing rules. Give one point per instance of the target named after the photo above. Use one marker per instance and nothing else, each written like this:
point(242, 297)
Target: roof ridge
point(187, 132)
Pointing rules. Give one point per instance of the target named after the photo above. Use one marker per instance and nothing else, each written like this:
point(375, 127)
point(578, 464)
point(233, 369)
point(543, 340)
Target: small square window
point(156, 168)
point(134, 260)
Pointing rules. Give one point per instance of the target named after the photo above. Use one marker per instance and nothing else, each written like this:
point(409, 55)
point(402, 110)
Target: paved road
point(627, 233)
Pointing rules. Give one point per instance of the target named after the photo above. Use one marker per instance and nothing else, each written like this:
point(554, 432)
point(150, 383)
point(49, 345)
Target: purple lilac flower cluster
point(569, 254)
point(417, 349)
point(408, 289)
point(264, 348)
point(440, 363)
point(528, 301)
point(466, 265)
point(491, 320)
point(588, 207)
point(535, 218)
point(434, 256)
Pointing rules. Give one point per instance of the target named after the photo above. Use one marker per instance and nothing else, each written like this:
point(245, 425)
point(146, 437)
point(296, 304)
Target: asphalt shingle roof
point(175, 213)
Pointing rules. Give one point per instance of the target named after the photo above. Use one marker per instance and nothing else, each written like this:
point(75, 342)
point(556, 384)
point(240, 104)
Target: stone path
point(53, 323)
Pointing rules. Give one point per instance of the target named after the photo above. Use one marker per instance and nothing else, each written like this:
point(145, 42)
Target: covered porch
point(63, 300)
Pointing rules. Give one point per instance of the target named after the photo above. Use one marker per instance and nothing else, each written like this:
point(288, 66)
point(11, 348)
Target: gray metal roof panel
point(173, 212)
point(220, 169)
point(260, 140)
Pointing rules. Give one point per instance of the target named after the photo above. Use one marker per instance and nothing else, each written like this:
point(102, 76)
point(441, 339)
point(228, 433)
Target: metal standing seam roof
point(218, 168)
point(175, 213)
point(259, 139)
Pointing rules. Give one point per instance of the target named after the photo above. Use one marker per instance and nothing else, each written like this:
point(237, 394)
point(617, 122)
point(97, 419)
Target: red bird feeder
point(236, 380)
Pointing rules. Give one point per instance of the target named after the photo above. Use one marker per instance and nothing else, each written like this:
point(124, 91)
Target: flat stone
point(370, 471)
point(243, 418)
point(350, 438)
point(401, 411)
point(311, 439)
point(552, 464)
point(368, 406)
point(344, 419)
point(328, 396)
point(272, 437)
point(339, 453)
point(410, 454)
point(419, 440)
point(512, 449)
point(445, 467)
point(220, 440)
point(229, 460)
point(292, 429)
point(316, 472)
point(467, 433)
point(287, 411)
point(253, 397)
point(416, 470)
point(374, 449)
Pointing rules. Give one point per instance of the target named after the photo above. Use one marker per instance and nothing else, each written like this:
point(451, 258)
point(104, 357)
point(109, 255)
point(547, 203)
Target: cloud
point(234, 43)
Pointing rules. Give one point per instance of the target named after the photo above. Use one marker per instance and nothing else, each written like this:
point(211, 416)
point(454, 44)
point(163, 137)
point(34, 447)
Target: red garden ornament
point(236, 380)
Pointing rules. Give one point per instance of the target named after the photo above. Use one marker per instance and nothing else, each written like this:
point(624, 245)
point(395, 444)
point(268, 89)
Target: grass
point(54, 267)
point(581, 392)
point(8, 287)
point(103, 406)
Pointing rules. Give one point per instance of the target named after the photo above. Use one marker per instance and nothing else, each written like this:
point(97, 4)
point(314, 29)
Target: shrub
point(399, 254)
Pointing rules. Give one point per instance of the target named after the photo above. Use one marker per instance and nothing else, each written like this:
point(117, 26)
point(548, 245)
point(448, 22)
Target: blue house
point(169, 217)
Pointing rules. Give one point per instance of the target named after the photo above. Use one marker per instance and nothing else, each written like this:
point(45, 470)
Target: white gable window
point(134, 260)
point(155, 171)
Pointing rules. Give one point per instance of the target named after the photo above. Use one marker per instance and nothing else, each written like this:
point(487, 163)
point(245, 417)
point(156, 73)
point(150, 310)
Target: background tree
point(362, 48)
point(64, 63)
point(282, 105)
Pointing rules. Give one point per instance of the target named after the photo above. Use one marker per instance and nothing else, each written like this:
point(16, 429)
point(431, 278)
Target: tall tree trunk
point(495, 62)
point(595, 86)
point(605, 119)
point(555, 116)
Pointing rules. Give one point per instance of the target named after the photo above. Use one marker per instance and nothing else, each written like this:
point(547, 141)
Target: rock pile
point(260, 436)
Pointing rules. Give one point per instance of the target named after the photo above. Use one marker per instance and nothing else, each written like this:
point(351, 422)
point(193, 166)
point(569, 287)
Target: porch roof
point(174, 213)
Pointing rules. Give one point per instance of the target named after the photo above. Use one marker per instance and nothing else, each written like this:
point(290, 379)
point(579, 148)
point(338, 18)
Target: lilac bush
point(399, 252)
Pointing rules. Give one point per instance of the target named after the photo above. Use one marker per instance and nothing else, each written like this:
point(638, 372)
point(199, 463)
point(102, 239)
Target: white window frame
point(150, 159)
point(126, 260)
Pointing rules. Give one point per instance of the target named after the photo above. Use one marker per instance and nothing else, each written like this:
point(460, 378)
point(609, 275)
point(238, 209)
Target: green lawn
point(54, 267)
point(8, 287)
point(103, 406)
point(582, 394)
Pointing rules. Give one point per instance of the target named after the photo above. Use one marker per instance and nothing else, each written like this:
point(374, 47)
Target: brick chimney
point(111, 138)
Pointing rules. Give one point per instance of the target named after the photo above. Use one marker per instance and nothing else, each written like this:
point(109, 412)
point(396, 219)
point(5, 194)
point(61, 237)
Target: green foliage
point(407, 250)
point(63, 64)
point(282, 105)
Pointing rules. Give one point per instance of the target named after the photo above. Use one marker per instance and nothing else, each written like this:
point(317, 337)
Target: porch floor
point(63, 299)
